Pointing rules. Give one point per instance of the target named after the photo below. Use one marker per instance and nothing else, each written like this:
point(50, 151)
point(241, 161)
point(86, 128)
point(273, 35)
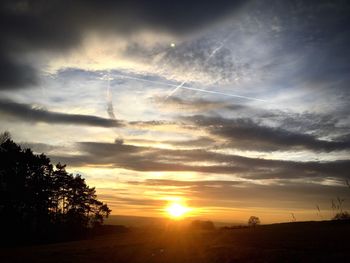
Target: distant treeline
point(43, 203)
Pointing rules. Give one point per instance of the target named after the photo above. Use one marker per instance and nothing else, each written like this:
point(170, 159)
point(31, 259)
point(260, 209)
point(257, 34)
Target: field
point(290, 242)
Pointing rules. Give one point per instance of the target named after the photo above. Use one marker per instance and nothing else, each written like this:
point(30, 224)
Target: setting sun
point(176, 210)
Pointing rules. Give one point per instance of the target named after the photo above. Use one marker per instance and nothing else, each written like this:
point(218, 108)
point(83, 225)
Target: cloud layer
point(28, 113)
point(146, 159)
point(246, 134)
point(59, 26)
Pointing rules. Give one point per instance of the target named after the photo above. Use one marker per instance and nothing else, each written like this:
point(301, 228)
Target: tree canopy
point(38, 198)
point(253, 221)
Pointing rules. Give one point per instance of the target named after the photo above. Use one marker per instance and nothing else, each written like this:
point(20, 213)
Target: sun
point(176, 210)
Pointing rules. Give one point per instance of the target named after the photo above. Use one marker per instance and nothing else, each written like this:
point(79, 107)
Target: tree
point(36, 198)
point(253, 221)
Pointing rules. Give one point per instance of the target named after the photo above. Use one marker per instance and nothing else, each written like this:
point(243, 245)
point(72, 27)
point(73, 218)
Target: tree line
point(40, 201)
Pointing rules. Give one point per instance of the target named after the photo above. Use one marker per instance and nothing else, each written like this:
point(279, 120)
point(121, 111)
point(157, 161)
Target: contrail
point(110, 109)
point(146, 80)
point(222, 43)
point(214, 51)
point(223, 93)
point(174, 90)
point(205, 62)
point(190, 88)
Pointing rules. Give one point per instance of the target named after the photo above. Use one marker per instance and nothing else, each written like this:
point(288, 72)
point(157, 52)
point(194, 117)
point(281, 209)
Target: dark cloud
point(140, 158)
point(26, 112)
point(14, 74)
point(246, 134)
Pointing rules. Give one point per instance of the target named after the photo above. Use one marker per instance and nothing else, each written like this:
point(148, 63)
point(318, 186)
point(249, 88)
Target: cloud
point(117, 200)
point(42, 147)
point(193, 105)
point(249, 48)
point(190, 143)
point(242, 194)
point(26, 112)
point(230, 198)
point(238, 189)
point(244, 133)
point(332, 125)
point(14, 74)
point(57, 26)
point(144, 159)
point(179, 183)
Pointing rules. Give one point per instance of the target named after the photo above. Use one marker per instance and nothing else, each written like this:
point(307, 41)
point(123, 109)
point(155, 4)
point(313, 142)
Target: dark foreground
point(293, 242)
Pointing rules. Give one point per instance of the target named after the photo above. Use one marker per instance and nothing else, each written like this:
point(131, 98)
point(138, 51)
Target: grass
point(290, 242)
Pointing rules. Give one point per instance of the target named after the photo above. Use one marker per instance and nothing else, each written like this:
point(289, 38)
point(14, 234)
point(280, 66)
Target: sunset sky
point(234, 108)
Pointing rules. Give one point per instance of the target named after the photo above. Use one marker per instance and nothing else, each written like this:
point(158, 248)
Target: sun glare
point(177, 210)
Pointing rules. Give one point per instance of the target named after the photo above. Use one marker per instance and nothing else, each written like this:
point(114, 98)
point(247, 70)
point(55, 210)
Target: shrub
point(342, 216)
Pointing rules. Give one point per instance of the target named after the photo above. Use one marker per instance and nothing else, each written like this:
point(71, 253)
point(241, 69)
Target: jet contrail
point(205, 62)
point(214, 51)
point(146, 80)
point(223, 93)
point(189, 88)
point(174, 90)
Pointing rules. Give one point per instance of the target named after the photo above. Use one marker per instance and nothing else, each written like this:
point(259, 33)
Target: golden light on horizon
point(177, 210)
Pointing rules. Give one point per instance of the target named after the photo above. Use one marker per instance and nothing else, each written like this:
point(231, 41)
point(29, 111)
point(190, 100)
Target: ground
point(293, 242)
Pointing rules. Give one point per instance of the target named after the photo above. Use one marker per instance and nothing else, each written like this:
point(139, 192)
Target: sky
point(234, 108)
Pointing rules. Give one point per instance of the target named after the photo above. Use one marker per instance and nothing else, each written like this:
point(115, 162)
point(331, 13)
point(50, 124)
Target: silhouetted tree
point(35, 198)
point(253, 221)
